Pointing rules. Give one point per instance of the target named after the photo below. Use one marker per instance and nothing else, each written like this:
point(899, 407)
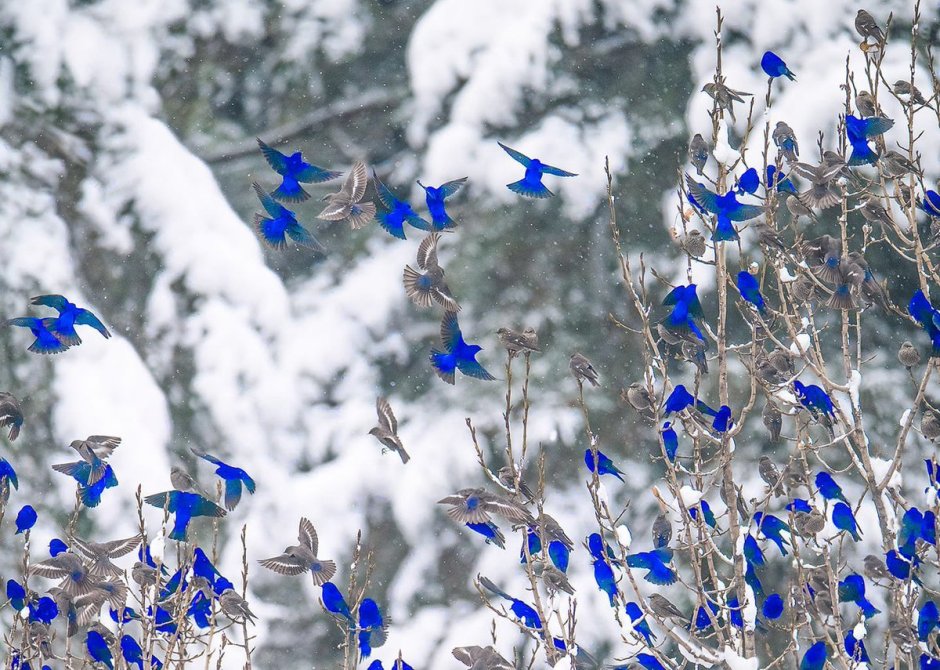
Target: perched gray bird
point(347, 202)
point(903, 89)
point(514, 342)
point(803, 289)
point(866, 26)
point(582, 369)
point(797, 209)
point(824, 190)
point(506, 478)
point(895, 165)
point(773, 420)
point(665, 609)
point(770, 475)
point(782, 360)
point(930, 425)
point(387, 430)
point(872, 290)
point(875, 567)
point(902, 634)
point(794, 476)
point(767, 235)
point(481, 658)
point(94, 450)
point(698, 152)
point(235, 607)
point(477, 504)
point(300, 558)
point(551, 531)
point(40, 637)
point(76, 579)
point(666, 336)
point(866, 105)
point(908, 355)
point(694, 352)
point(640, 399)
point(553, 578)
point(694, 243)
point(824, 256)
point(661, 531)
point(143, 574)
point(785, 140)
point(808, 524)
point(725, 97)
point(430, 285)
point(768, 372)
point(873, 212)
point(183, 481)
point(11, 414)
point(99, 554)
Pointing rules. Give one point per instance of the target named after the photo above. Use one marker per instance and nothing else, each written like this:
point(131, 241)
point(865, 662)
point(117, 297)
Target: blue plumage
point(531, 185)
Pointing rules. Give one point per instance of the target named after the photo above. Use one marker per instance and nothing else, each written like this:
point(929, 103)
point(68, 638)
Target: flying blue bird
point(815, 657)
point(859, 131)
point(640, 625)
point(843, 519)
point(828, 487)
point(604, 576)
point(749, 288)
point(435, 197)
point(46, 341)
point(98, 649)
point(294, 170)
point(855, 649)
point(524, 612)
point(456, 353)
point(70, 315)
point(773, 607)
point(531, 185)
point(280, 224)
point(235, 479)
point(928, 620)
point(726, 207)
point(772, 528)
point(334, 602)
point(928, 318)
point(670, 441)
point(773, 66)
point(852, 590)
point(25, 519)
point(605, 466)
point(656, 563)
point(185, 506)
point(489, 530)
point(399, 212)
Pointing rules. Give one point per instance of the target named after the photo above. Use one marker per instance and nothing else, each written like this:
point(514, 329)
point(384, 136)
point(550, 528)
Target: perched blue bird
point(686, 308)
point(559, 554)
point(912, 527)
point(815, 657)
point(7, 479)
point(678, 400)
point(491, 533)
point(280, 224)
point(855, 649)
point(56, 547)
point(203, 567)
point(46, 341)
point(70, 315)
point(524, 612)
point(656, 563)
point(435, 197)
point(814, 399)
point(799, 505)
point(928, 662)
point(928, 620)
point(399, 212)
point(200, 610)
point(828, 488)
point(640, 625)
point(294, 170)
point(931, 203)
point(531, 185)
point(779, 181)
point(928, 318)
point(25, 519)
point(773, 66)
point(185, 506)
point(752, 580)
point(703, 619)
point(749, 181)
point(773, 607)
point(852, 590)
point(16, 594)
point(601, 550)
point(772, 528)
point(43, 610)
point(752, 551)
point(456, 354)
point(98, 649)
point(899, 567)
point(749, 288)
point(707, 515)
point(859, 131)
point(649, 662)
point(605, 466)
point(131, 651)
point(334, 602)
point(604, 576)
point(843, 519)
point(670, 441)
point(734, 612)
point(234, 479)
point(534, 543)
point(370, 621)
point(723, 420)
point(726, 207)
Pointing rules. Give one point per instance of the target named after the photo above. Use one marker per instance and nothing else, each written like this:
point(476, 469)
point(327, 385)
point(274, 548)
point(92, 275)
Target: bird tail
point(270, 235)
point(51, 345)
point(419, 295)
point(488, 584)
point(179, 527)
point(724, 231)
point(842, 298)
point(305, 238)
point(444, 365)
point(862, 154)
point(393, 226)
point(529, 189)
point(364, 215)
point(790, 75)
point(90, 495)
point(868, 610)
point(404, 455)
point(290, 190)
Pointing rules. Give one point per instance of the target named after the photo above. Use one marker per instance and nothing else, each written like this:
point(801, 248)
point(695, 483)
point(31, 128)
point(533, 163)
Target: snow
point(690, 496)
point(736, 662)
point(624, 537)
point(880, 468)
point(802, 343)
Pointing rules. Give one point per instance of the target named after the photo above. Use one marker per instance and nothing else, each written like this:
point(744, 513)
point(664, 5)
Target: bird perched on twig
point(698, 153)
point(723, 96)
point(386, 431)
point(302, 557)
point(514, 342)
point(582, 369)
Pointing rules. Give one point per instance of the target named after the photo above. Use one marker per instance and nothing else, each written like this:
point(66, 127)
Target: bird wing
point(206, 457)
point(283, 565)
point(55, 301)
point(162, 500)
point(307, 535)
point(385, 195)
point(744, 212)
point(233, 493)
point(24, 322)
point(79, 470)
point(336, 209)
point(314, 174)
point(558, 172)
point(205, 507)
point(271, 206)
point(354, 186)
point(506, 508)
point(702, 195)
point(9, 407)
point(118, 548)
point(427, 252)
point(102, 445)
point(516, 156)
point(86, 318)
point(450, 331)
point(448, 189)
point(472, 368)
point(275, 158)
point(386, 416)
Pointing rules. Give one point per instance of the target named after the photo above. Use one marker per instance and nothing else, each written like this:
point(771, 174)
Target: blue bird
point(752, 580)
point(82, 472)
point(46, 341)
point(435, 197)
point(670, 441)
point(799, 505)
point(370, 621)
point(280, 224)
point(98, 649)
point(815, 657)
point(859, 131)
point(534, 542)
point(773, 607)
point(686, 308)
point(131, 651)
point(399, 212)
point(855, 649)
point(852, 590)
point(43, 610)
point(185, 506)
point(25, 519)
point(749, 288)
point(202, 567)
point(928, 620)
point(678, 400)
point(779, 181)
point(931, 203)
point(899, 567)
point(456, 354)
point(772, 528)
point(723, 420)
point(816, 401)
point(200, 610)
point(726, 207)
point(928, 662)
point(234, 479)
point(605, 466)
point(559, 554)
point(749, 181)
point(649, 662)
point(601, 550)
point(491, 533)
point(70, 315)
point(523, 611)
point(531, 185)
point(752, 551)
point(828, 488)
point(334, 602)
point(912, 526)
point(126, 615)
point(56, 547)
point(843, 519)
point(928, 318)
point(703, 619)
point(16, 594)
point(656, 563)
point(7, 479)
point(928, 528)
point(604, 576)
point(773, 66)
point(640, 625)
point(734, 612)
point(707, 515)
point(294, 170)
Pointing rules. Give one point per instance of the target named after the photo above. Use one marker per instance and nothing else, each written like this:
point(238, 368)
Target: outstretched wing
point(103, 445)
point(307, 535)
point(86, 318)
point(386, 416)
point(447, 189)
point(206, 457)
point(271, 206)
point(162, 500)
point(427, 252)
point(702, 195)
point(275, 158)
point(744, 212)
point(386, 196)
point(354, 187)
point(56, 302)
point(450, 331)
point(558, 172)
point(473, 369)
point(516, 156)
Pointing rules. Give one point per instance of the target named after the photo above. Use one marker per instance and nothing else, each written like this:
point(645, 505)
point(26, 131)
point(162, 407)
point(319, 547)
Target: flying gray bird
point(423, 288)
point(582, 369)
point(476, 505)
point(797, 209)
point(824, 256)
point(99, 554)
point(11, 414)
point(387, 430)
point(346, 204)
point(94, 450)
point(76, 578)
point(514, 342)
point(824, 191)
point(481, 658)
point(300, 558)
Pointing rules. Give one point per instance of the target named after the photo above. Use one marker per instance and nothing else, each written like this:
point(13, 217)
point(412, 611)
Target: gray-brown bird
point(69, 567)
point(824, 191)
point(94, 450)
point(551, 531)
point(387, 430)
point(875, 567)
point(515, 342)
point(665, 609)
point(553, 578)
point(867, 27)
point(724, 96)
point(770, 475)
point(803, 289)
point(782, 360)
point(143, 574)
point(183, 481)
point(640, 399)
point(476, 505)
point(506, 478)
point(698, 152)
point(895, 164)
point(908, 355)
point(773, 420)
point(11, 414)
point(903, 89)
point(99, 554)
point(808, 524)
point(346, 204)
point(661, 531)
point(423, 288)
point(481, 658)
point(694, 243)
point(302, 557)
point(785, 140)
point(866, 105)
point(930, 425)
point(235, 607)
point(582, 369)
